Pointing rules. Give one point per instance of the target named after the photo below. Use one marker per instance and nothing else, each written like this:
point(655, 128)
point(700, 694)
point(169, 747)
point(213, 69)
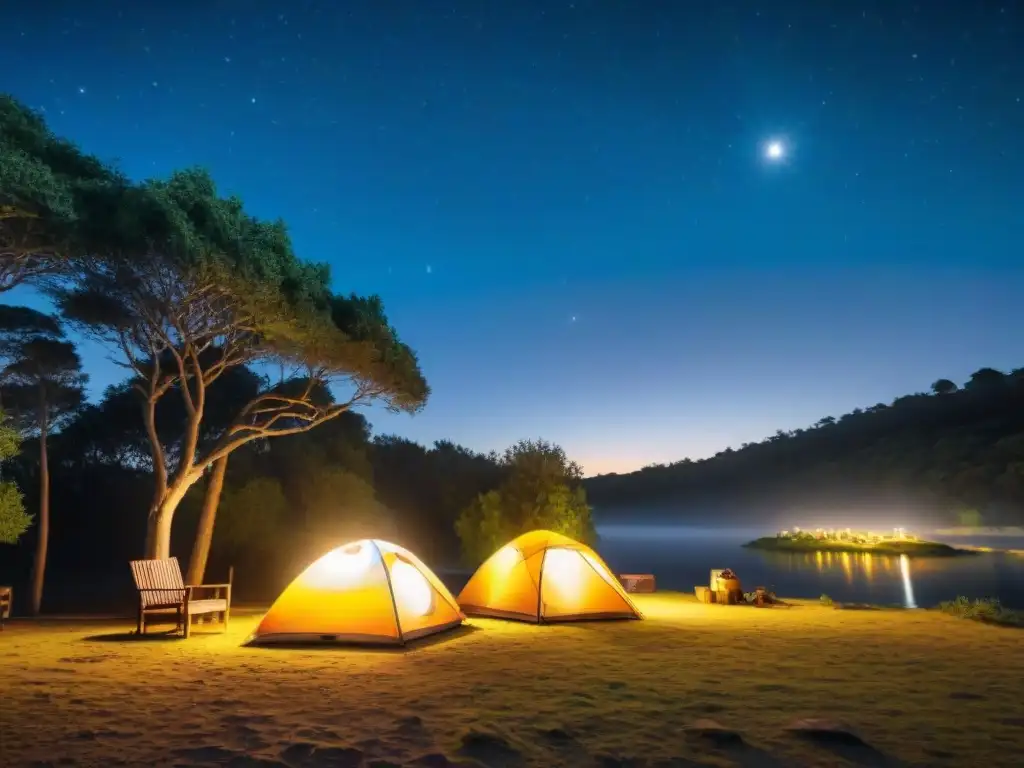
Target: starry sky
point(570, 208)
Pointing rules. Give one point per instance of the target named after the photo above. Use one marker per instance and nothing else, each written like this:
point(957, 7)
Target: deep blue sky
point(566, 206)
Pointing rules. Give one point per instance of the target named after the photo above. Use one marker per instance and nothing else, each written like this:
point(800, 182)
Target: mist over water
point(681, 557)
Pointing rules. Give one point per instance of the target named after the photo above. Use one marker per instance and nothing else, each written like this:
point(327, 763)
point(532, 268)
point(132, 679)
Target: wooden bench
point(6, 596)
point(637, 582)
point(162, 592)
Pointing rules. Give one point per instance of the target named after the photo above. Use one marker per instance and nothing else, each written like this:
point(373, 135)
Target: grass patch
point(986, 610)
point(910, 684)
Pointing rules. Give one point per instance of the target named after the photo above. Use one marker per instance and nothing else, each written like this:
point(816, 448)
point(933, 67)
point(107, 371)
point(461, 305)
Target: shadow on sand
point(851, 749)
point(440, 638)
point(162, 636)
point(745, 755)
point(173, 635)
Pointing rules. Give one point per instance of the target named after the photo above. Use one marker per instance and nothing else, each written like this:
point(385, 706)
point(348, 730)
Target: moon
point(774, 150)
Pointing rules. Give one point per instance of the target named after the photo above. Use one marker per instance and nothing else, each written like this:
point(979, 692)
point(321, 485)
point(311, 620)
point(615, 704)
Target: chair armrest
point(160, 589)
point(211, 587)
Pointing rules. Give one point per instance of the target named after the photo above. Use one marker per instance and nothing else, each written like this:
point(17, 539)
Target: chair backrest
point(5, 602)
point(161, 575)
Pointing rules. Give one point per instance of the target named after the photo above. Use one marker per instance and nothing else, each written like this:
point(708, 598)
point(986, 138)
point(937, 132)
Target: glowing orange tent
point(545, 576)
point(368, 591)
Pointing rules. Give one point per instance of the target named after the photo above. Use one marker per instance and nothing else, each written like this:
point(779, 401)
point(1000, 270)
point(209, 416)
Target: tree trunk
point(159, 479)
point(207, 518)
point(39, 567)
point(158, 529)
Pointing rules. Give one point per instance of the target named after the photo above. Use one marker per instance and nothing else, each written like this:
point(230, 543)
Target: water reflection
point(860, 566)
point(851, 563)
point(908, 586)
point(680, 559)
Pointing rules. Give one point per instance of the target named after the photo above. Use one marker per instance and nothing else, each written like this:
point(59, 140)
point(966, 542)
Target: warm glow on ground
point(915, 684)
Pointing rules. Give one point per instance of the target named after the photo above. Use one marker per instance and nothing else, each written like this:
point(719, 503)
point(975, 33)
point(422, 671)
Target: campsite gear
point(725, 597)
point(162, 592)
point(637, 582)
point(704, 595)
point(369, 591)
point(544, 576)
point(6, 598)
point(726, 586)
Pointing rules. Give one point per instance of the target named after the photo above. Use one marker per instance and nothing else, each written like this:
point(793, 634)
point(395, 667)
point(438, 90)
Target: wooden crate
point(637, 582)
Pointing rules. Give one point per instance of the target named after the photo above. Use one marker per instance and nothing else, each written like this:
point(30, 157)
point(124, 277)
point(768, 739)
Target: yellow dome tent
point(368, 591)
point(545, 576)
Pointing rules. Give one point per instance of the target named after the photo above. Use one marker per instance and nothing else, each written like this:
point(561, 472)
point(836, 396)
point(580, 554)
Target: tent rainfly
point(545, 576)
point(368, 591)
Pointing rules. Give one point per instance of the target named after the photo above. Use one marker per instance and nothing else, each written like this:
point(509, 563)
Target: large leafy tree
point(542, 489)
point(110, 433)
point(49, 189)
point(192, 287)
point(14, 520)
point(42, 384)
point(236, 385)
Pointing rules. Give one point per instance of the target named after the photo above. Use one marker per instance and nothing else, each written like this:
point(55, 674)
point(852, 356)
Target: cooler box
point(637, 582)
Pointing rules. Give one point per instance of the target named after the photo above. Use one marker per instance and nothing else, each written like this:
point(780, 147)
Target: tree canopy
point(192, 288)
point(541, 489)
point(42, 382)
point(47, 186)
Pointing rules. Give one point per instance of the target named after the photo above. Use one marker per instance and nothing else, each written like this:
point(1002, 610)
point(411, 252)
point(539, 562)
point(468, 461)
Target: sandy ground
point(919, 688)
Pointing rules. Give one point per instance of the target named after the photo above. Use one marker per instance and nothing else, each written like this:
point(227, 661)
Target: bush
point(987, 610)
point(825, 600)
point(14, 520)
point(541, 490)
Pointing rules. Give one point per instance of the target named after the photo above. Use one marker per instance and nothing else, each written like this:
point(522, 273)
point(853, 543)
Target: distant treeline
point(955, 454)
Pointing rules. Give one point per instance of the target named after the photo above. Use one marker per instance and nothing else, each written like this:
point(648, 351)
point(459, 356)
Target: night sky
point(570, 209)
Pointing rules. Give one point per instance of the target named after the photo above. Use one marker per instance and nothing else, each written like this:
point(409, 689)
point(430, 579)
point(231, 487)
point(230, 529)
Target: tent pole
point(540, 587)
point(391, 591)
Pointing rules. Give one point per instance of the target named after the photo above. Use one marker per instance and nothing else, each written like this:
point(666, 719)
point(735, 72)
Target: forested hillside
point(954, 454)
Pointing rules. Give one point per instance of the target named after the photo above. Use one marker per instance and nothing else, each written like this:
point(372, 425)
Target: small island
point(898, 543)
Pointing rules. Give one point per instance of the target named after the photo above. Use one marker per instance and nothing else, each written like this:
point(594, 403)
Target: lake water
point(682, 557)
